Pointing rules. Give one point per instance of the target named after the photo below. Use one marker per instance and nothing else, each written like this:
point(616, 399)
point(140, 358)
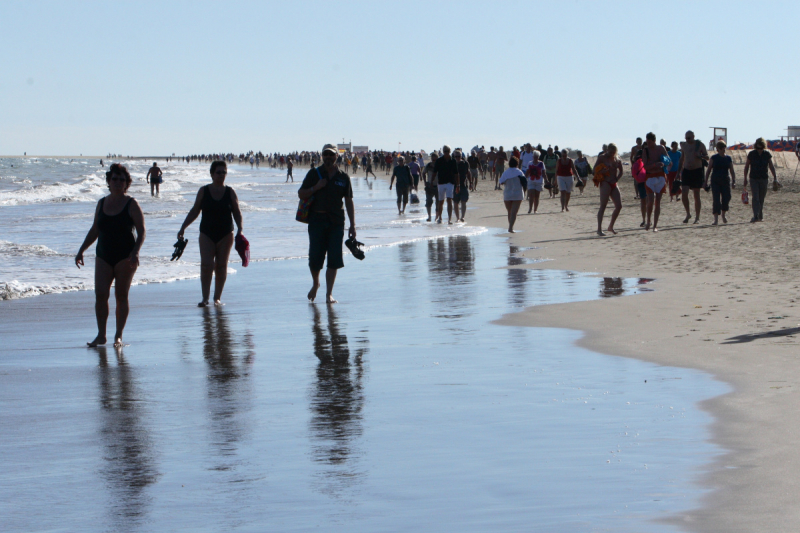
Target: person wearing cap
point(330, 188)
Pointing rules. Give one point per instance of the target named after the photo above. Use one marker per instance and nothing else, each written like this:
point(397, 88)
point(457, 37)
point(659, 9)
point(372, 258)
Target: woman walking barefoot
point(115, 218)
point(513, 194)
point(608, 171)
point(719, 166)
point(218, 203)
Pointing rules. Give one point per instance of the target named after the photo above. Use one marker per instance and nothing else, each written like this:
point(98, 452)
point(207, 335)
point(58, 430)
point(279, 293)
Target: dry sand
point(725, 301)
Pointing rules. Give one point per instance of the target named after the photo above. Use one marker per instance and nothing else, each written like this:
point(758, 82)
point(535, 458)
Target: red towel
point(243, 247)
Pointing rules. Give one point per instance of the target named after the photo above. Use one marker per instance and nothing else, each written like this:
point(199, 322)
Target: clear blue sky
point(153, 78)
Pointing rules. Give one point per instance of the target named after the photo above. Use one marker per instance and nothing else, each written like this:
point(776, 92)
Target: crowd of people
point(447, 178)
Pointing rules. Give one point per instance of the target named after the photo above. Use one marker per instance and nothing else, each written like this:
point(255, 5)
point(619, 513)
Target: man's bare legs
point(449, 211)
point(654, 208)
point(685, 198)
point(512, 206)
point(214, 262)
point(439, 209)
point(104, 275)
point(463, 211)
point(330, 279)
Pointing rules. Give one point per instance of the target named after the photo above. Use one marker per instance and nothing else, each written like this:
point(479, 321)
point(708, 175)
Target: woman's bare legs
point(512, 206)
point(606, 192)
point(214, 261)
point(104, 275)
point(223, 253)
point(123, 276)
point(617, 199)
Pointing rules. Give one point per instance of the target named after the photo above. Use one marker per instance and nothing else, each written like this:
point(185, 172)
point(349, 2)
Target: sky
point(156, 78)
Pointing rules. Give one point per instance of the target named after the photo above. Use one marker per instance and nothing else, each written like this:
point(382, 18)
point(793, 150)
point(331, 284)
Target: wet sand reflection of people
point(611, 287)
point(129, 459)
point(517, 277)
point(451, 263)
point(228, 360)
point(406, 252)
point(336, 403)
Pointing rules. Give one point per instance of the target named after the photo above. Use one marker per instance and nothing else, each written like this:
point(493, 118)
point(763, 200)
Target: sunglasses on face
point(116, 178)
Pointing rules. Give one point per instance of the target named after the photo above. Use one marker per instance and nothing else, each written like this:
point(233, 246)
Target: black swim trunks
point(693, 178)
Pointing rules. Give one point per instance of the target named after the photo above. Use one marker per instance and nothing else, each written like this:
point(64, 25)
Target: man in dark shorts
point(447, 173)
point(694, 157)
point(431, 185)
point(404, 182)
point(329, 187)
point(474, 166)
point(461, 194)
point(154, 178)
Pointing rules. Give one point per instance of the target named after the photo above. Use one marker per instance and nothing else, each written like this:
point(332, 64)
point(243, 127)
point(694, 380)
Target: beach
point(724, 302)
point(467, 380)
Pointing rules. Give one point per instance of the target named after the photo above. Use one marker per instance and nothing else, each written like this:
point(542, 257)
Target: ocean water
point(47, 207)
point(402, 408)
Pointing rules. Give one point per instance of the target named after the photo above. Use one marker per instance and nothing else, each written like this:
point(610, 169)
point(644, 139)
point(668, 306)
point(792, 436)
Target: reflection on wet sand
point(611, 287)
point(228, 388)
point(336, 403)
point(130, 464)
point(407, 265)
point(517, 277)
point(451, 262)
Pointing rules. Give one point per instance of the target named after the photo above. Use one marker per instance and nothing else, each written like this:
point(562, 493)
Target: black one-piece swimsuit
point(217, 221)
point(115, 240)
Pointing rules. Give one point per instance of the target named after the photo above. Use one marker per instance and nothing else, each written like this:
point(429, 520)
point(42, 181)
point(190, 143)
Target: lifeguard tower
point(720, 134)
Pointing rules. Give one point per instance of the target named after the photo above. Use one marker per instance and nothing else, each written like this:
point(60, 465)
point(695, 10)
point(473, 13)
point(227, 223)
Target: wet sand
point(724, 302)
point(401, 408)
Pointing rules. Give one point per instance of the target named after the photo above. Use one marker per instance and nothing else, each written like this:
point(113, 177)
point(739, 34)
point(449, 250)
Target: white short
point(446, 191)
point(565, 183)
point(658, 184)
point(535, 185)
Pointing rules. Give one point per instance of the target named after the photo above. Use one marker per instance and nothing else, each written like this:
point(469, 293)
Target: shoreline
point(710, 311)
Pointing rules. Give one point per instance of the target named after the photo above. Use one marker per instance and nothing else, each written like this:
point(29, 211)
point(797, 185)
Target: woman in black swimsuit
point(218, 203)
point(115, 218)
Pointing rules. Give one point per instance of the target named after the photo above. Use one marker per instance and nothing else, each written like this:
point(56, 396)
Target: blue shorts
point(325, 236)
